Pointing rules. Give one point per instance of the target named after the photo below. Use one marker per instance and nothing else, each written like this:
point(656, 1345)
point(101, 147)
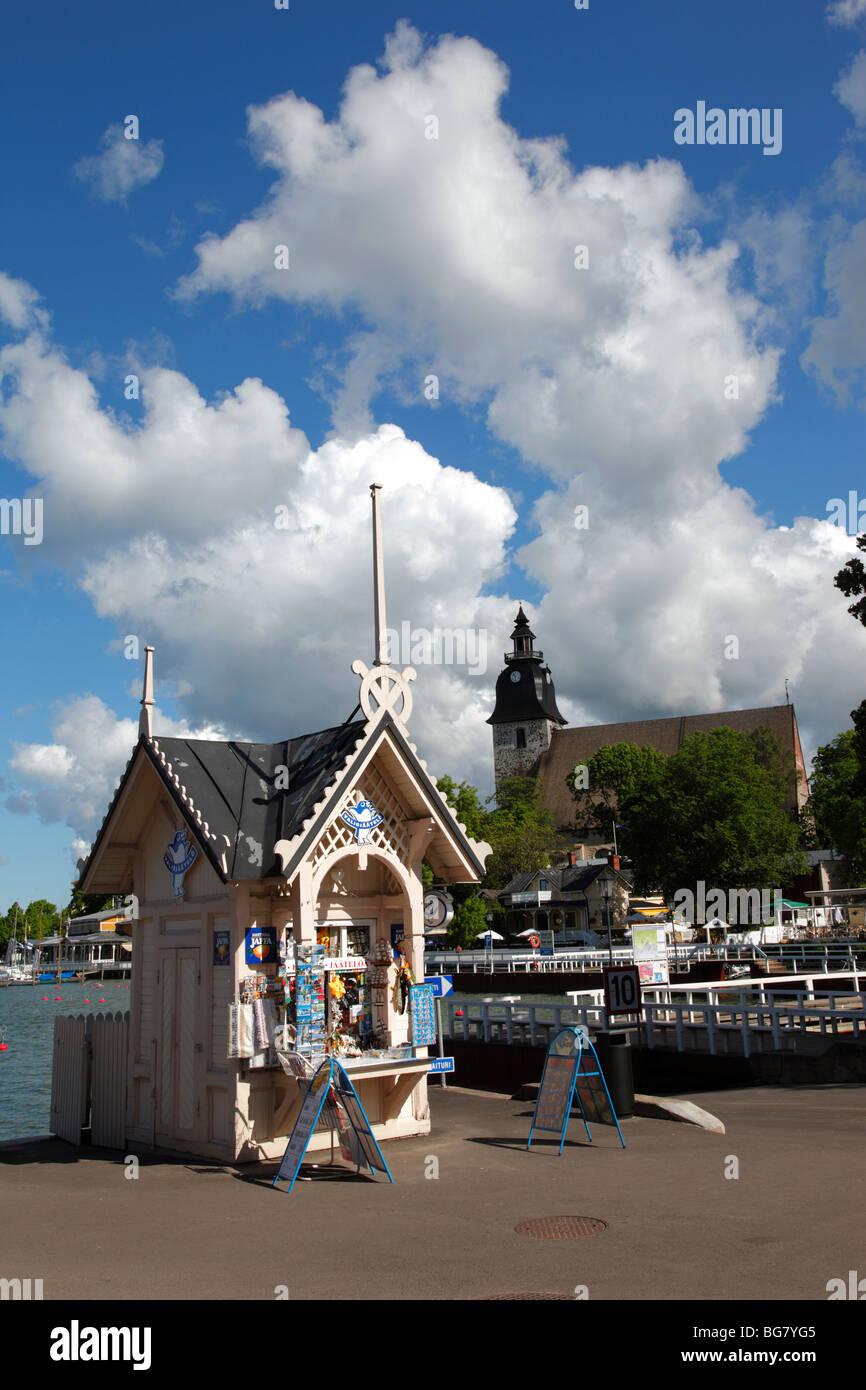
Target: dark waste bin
point(613, 1049)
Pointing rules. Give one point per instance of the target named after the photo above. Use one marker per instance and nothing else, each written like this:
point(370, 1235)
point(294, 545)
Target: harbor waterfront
point(27, 1020)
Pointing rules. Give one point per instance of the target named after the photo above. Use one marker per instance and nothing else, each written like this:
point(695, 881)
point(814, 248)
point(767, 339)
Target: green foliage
point(851, 579)
point(465, 802)
point(520, 830)
point(714, 810)
point(617, 774)
point(838, 803)
point(470, 918)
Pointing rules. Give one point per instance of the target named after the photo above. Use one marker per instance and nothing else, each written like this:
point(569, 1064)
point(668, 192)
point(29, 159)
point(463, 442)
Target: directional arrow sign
point(442, 1064)
point(441, 985)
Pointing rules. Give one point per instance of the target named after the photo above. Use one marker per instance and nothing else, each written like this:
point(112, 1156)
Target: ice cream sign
point(178, 858)
point(363, 818)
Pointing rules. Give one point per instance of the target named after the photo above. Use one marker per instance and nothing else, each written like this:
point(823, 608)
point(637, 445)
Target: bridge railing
point(779, 1008)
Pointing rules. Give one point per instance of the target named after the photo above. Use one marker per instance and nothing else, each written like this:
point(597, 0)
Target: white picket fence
point(88, 1079)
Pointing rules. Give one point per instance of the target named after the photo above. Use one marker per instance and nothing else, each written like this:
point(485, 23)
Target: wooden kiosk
point(256, 868)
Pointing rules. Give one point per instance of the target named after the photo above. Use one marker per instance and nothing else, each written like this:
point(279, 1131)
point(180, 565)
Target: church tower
point(526, 713)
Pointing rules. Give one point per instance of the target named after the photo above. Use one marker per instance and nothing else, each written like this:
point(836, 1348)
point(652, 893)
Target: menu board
point(554, 1096)
point(571, 1066)
point(591, 1091)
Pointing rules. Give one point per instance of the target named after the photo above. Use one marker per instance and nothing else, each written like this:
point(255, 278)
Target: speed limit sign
point(622, 989)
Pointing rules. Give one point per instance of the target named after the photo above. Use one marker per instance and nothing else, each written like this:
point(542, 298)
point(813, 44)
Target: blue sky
point(753, 264)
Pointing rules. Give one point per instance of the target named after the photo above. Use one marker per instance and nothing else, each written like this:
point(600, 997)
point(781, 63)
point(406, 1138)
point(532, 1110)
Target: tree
point(836, 802)
point(617, 775)
point(466, 804)
point(82, 904)
point(711, 811)
point(851, 579)
point(520, 831)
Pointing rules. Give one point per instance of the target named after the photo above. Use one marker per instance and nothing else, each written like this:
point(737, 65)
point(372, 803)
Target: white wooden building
point(219, 838)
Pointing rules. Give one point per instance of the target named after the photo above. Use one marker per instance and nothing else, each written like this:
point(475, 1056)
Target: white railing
point(681, 1013)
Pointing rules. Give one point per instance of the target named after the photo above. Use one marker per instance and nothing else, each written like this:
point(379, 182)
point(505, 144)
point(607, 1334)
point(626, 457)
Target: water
point(28, 1021)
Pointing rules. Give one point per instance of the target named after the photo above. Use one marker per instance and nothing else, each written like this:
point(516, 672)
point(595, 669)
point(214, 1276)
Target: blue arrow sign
point(442, 1064)
point(441, 985)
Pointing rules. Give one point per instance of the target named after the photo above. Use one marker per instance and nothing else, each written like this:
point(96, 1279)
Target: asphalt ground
point(676, 1227)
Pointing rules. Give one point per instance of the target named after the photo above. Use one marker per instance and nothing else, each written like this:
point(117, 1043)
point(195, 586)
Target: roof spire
point(380, 619)
point(145, 721)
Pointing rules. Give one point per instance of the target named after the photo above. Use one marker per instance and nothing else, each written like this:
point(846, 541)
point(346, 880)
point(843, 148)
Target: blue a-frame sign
point(330, 1074)
point(568, 1071)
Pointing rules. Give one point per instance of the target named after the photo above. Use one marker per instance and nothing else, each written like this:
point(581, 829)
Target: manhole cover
point(528, 1297)
point(561, 1227)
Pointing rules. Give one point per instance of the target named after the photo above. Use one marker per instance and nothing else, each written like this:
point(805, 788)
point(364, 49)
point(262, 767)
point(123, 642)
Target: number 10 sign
point(622, 989)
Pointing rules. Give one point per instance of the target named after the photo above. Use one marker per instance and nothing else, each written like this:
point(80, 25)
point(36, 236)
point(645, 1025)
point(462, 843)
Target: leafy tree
point(837, 803)
point(617, 775)
point(470, 918)
point(465, 802)
point(42, 918)
point(521, 831)
point(710, 811)
point(851, 579)
point(82, 904)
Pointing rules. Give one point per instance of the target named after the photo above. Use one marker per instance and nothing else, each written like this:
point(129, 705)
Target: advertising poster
point(261, 946)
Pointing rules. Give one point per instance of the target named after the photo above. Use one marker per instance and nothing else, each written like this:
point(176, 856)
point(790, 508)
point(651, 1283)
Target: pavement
point(676, 1226)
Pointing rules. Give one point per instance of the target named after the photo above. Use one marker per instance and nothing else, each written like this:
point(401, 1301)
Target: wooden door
point(178, 1082)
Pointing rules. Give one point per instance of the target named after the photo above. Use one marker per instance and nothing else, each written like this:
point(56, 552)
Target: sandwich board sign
point(571, 1068)
point(366, 1143)
point(364, 1150)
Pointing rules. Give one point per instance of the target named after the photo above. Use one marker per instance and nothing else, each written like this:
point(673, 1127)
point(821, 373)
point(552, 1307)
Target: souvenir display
point(423, 1015)
point(403, 983)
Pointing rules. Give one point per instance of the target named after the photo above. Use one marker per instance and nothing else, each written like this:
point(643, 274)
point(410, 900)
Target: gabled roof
point(569, 878)
point(227, 793)
point(233, 789)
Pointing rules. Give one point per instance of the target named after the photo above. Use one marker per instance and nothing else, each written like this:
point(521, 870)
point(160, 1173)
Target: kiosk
point(280, 907)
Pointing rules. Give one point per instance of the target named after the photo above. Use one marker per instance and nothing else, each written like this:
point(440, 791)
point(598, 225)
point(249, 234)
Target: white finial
point(145, 721)
point(381, 621)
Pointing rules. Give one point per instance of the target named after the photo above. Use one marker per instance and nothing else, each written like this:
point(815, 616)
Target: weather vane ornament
point(385, 686)
point(381, 685)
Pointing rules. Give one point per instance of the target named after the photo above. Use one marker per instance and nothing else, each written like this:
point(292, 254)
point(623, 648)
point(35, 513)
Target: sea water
point(27, 1018)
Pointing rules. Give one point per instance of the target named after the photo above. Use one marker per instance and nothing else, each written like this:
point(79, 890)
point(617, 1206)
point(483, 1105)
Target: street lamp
point(606, 890)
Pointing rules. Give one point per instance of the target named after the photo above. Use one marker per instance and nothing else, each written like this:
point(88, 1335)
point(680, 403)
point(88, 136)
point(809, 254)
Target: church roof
point(569, 747)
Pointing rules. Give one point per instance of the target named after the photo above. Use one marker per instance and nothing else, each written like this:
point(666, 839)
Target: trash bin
point(613, 1049)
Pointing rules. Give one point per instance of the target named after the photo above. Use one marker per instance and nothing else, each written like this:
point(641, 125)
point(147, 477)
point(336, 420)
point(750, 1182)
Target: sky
point(600, 339)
